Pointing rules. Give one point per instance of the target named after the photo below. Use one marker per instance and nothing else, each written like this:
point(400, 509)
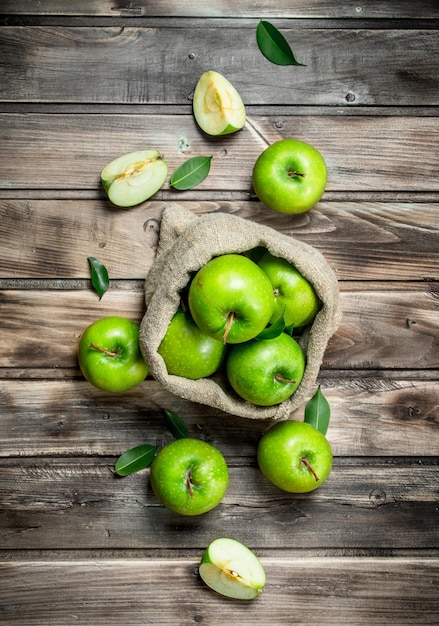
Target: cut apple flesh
point(231, 569)
point(218, 107)
point(134, 177)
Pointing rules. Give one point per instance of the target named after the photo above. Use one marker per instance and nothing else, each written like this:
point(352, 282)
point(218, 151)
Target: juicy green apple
point(294, 296)
point(134, 177)
point(289, 176)
point(231, 299)
point(189, 476)
point(266, 371)
point(218, 107)
point(231, 569)
point(109, 354)
point(295, 456)
point(189, 352)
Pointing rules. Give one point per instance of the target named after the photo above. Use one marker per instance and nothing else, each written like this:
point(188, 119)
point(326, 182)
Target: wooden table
point(82, 83)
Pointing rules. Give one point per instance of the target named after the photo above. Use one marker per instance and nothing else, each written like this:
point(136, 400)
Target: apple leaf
point(135, 459)
point(176, 425)
point(99, 276)
point(191, 173)
point(270, 332)
point(317, 412)
point(273, 45)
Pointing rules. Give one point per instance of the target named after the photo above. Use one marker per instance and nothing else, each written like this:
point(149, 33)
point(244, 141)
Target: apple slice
point(134, 177)
point(218, 107)
point(231, 569)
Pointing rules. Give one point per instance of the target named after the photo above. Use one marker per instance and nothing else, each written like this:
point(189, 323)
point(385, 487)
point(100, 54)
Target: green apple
point(295, 456)
point(189, 352)
point(289, 176)
point(266, 371)
point(294, 296)
point(109, 354)
point(218, 107)
point(231, 299)
point(231, 569)
point(189, 476)
point(134, 177)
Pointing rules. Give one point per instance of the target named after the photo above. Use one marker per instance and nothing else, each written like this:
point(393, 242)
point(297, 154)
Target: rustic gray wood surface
point(82, 83)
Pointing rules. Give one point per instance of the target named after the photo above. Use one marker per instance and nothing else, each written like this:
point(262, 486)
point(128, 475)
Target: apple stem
point(103, 350)
point(310, 467)
point(281, 379)
point(189, 484)
point(294, 173)
point(230, 320)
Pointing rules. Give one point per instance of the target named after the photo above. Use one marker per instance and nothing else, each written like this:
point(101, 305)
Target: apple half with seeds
point(231, 569)
point(134, 177)
point(218, 107)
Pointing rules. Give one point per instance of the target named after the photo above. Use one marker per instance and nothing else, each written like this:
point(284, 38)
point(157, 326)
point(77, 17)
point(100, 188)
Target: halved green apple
point(134, 177)
point(231, 569)
point(218, 107)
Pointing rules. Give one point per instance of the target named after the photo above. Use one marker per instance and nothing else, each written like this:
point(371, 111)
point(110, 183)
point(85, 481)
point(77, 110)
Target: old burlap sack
point(186, 243)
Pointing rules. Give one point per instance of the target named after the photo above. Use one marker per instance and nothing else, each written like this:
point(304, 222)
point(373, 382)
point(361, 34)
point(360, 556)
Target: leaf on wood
point(273, 45)
point(176, 425)
point(318, 412)
point(99, 276)
point(135, 459)
point(191, 173)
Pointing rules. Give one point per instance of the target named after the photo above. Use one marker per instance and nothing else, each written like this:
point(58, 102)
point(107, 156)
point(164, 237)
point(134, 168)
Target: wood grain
point(159, 65)
point(53, 238)
point(363, 153)
point(377, 506)
point(103, 592)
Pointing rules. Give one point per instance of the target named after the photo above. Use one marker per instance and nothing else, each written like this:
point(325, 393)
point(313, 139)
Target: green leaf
point(270, 332)
point(99, 276)
point(135, 459)
point(176, 425)
point(273, 45)
point(191, 173)
point(318, 412)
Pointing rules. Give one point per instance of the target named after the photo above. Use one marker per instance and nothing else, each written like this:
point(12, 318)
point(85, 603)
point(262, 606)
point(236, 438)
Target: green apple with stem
point(289, 176)
point(295, 456)
point(218, 107)
point(189, 476)
point(189, 352)
point(231, 569)
point(294, 296)
point(231, 299)
point(134, 177)
point(266, 371)
point(109, 354)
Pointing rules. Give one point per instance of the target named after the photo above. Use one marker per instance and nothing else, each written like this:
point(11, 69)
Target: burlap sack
point(186, 243)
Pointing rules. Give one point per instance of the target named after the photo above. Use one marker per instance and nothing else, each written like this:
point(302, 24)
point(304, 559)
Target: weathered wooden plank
point(219, 8)
point(381, 328)
point(372, 414)
point(53, 238)
point(161, 65)
point(358, 592)
point(68, 152)
point(378, 507)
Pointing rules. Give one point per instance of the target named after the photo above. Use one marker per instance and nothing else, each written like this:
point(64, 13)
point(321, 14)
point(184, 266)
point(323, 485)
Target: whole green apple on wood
point(109, 354)
point(189, 352)
point(231, 569)
point(294, 296)
point(266, 371)
point(218, 107)
point(189, 476)
point(134, 177)
point(289, 176)
point(295, 456)
point(231, 299)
